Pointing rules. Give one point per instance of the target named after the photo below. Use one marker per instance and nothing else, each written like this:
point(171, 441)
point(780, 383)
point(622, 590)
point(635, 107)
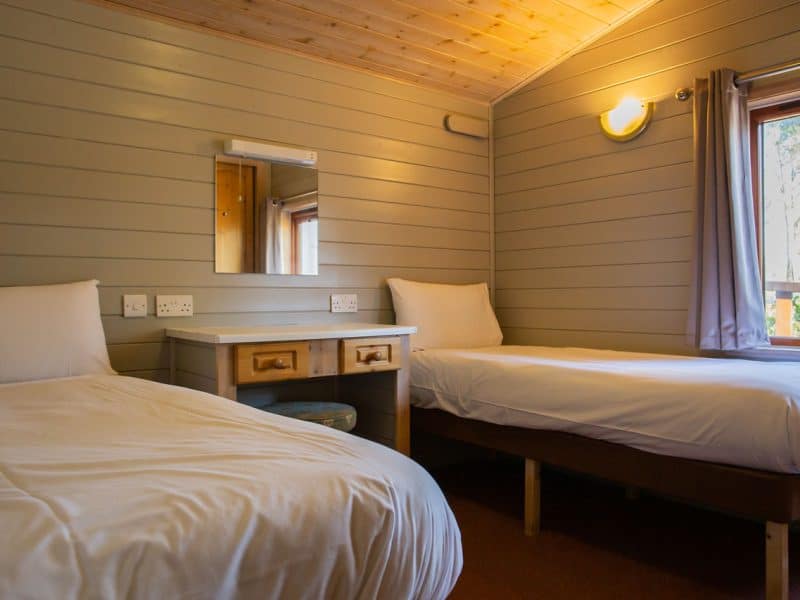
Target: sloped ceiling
point(475, 48)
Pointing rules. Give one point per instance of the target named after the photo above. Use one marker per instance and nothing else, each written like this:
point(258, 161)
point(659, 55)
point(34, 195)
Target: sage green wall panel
point(109, 124)
point(627, 298)
point(603, 209)
point(33, 209)
point(595, 237)
point(614, 253)
point(37, 270)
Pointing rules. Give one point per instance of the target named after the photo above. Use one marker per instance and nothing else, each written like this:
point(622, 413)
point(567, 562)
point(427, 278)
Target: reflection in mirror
point(266, 217)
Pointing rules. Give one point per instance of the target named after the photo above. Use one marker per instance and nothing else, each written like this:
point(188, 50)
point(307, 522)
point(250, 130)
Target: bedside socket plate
point(344, 303)
point(174, 305)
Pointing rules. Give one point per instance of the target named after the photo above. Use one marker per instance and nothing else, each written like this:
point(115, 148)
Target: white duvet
point(737, 412)
point(115, 487)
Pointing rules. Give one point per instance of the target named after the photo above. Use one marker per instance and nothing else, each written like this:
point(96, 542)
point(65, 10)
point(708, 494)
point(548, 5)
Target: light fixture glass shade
point(627, 119)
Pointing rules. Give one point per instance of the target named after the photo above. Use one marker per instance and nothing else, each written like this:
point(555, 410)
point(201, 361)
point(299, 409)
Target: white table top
point(285, 333)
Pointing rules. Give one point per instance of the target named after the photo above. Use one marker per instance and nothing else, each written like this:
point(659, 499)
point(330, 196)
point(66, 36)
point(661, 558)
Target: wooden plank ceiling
point(475, 48)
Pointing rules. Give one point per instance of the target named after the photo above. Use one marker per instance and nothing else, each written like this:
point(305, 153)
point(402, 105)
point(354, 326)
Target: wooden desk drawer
point(364, 355)
point(271, 362)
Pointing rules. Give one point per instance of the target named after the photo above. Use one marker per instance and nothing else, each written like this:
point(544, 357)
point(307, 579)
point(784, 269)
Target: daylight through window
point(777, 186)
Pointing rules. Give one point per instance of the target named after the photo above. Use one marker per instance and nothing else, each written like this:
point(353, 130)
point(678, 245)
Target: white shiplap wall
point(108, 128)
point(594, 237)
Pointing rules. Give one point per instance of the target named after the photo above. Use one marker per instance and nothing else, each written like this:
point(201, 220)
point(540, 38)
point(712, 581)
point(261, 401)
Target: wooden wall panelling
point(189, 100)
point(578, 169)
point(34, 209)
point(568, 212)
point(630, 229)
point(634, 342)
point(572, 131)
point(558, 150)
point(655, 297)
point(657, 250)
point(116, 120)
point(638, 275)
point(659, 178)
point(32, 270)
point(355, 209)
point(640, 320)
point(430, 236)
point(595, 238)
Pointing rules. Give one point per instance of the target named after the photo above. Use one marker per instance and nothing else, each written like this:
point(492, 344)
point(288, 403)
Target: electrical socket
point(344, 303)
point(134, 305)
point(174, 306)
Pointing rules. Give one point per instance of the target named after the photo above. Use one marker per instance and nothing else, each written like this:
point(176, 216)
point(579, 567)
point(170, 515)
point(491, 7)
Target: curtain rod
point(765, 72)
point(683, 94)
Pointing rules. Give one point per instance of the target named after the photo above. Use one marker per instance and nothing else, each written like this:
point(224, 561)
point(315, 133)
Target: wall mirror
point(266, 218)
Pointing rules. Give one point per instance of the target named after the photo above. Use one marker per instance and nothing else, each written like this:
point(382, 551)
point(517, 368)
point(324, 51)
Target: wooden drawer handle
point(263, 362)
point(377, 355)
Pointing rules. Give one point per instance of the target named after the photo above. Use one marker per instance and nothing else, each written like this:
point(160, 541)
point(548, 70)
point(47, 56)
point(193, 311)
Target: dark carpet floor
point(597, 544)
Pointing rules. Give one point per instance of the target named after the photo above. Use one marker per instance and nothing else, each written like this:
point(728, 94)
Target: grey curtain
point(726, 310)
point(274, 237)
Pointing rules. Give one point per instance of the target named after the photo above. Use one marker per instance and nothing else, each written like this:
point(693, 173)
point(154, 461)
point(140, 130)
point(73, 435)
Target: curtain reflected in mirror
point(267, 218)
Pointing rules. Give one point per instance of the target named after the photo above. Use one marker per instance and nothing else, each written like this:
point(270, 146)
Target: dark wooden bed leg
point(533, 486)
point(777, 556)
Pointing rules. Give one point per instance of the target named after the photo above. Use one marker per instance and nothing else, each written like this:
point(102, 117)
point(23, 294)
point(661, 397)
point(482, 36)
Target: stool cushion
point(333, 414)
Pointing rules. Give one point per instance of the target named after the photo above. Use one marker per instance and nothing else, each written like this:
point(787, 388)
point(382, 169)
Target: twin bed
point(719, 432)
point(736, 412)
point(114, 487)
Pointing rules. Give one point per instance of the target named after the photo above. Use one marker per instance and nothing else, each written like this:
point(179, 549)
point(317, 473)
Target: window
point(775, 140)
point(305, 235)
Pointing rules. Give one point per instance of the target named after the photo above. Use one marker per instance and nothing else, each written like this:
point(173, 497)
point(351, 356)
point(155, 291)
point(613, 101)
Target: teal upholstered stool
point(333, 414)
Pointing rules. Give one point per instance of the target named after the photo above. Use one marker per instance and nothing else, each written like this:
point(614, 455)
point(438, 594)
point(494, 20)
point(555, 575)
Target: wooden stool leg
point(777, 561)
point(532, 496)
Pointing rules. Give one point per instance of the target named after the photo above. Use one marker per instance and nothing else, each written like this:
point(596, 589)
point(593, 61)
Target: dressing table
point(368, 366)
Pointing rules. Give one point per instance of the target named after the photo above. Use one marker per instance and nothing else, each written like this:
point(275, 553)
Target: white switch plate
point(344, 303)
point(134, 305)
point(174, 306)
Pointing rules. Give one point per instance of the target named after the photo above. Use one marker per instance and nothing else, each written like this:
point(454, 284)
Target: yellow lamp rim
point(632, 130)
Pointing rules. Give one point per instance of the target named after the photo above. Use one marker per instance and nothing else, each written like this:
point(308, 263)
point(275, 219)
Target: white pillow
point(446, 316)
point(49, 331)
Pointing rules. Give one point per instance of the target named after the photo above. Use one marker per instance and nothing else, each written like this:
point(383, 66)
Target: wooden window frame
point(296, 217)
point(759, 116)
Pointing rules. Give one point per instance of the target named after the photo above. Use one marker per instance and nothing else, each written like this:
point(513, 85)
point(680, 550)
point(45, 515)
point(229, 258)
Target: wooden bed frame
point(773, 498)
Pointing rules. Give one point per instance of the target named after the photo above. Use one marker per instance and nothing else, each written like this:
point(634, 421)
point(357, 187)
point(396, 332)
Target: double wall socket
point(344, 303)
point(174, 306)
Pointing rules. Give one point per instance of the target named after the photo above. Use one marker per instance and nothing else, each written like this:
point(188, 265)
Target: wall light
point(281, 154)
point(627, 119)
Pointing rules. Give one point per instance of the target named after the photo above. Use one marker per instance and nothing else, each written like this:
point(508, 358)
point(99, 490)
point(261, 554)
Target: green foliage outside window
point(770, 313)
point(796, 314)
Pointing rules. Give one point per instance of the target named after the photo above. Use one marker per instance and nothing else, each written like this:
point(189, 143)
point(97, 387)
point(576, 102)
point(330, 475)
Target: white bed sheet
point(729, 411)
point(116, 487)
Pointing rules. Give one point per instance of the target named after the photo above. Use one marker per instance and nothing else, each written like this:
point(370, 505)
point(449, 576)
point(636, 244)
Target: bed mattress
point(736, 412)
point(115, 487)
